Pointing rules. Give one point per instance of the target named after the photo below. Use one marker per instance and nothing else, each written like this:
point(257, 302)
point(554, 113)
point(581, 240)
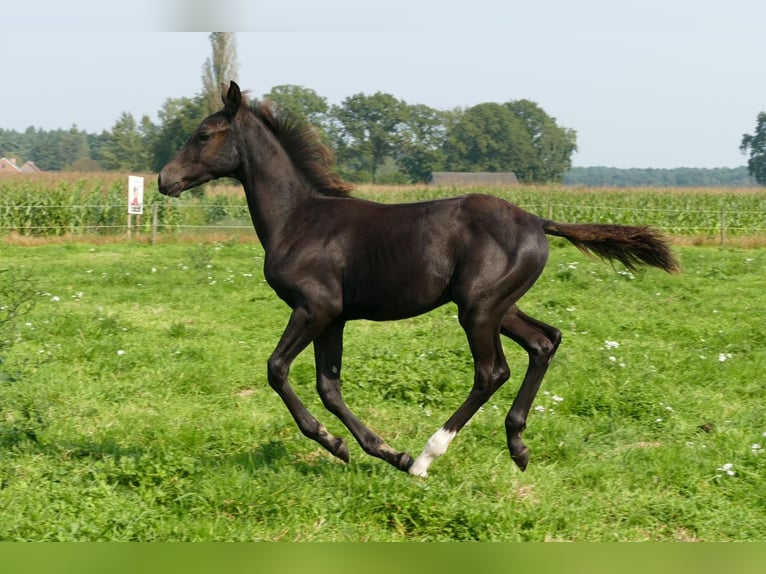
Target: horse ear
point(232, 97)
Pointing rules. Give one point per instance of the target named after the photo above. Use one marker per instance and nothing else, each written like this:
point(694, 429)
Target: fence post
point(130, 225)
point(723, 227)
point(155, 207)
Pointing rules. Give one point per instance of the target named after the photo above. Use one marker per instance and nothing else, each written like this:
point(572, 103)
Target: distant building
point(473, 178)
point(10, 166)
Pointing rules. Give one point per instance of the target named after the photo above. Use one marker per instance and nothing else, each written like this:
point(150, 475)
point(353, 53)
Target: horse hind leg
point(540, 341)
point(490, 372)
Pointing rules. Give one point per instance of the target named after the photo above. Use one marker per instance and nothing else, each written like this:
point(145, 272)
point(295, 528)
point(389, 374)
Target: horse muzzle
point(169, 185)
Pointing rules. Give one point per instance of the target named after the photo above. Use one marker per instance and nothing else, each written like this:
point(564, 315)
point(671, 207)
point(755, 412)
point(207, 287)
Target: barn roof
point(11, 166)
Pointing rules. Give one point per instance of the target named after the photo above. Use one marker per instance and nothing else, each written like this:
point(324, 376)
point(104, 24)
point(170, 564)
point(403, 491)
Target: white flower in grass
point(757, 448)
point(557, 399)
point(724, 356)
point(120, 352)
point(540, 409)
point(627, 274)
point(611, 344)
point(55, 298)
point(727, 468)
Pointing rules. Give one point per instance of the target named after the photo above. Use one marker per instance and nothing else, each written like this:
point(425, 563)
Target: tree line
point(652, 177)
point(379, 138)
point(376, 138)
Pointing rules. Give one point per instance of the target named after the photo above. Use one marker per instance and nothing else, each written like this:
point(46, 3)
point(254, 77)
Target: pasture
point(134, 406)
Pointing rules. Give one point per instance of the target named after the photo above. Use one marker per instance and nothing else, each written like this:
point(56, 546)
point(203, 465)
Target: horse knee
point(277, 371)
point(490, 379)
point(502, 373)
point(329, 392)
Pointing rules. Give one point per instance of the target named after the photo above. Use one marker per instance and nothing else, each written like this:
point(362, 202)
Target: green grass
point(134, 406)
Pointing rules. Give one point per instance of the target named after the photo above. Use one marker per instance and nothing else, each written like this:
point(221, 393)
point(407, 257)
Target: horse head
point(211, 151)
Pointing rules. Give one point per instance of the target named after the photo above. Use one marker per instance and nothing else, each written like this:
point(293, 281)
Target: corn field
point(97, 204)
point(76, 204)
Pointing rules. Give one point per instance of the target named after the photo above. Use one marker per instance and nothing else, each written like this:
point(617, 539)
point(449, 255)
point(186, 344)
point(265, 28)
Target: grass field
point(134, 406)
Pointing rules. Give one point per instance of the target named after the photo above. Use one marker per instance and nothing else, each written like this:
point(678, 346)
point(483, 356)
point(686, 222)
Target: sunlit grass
point(135, 407)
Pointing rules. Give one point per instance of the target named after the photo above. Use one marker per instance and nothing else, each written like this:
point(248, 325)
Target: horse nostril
point(164, 183)
point(160, 184)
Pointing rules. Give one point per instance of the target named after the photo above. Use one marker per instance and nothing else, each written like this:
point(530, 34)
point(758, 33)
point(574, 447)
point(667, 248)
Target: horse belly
point(397, 293)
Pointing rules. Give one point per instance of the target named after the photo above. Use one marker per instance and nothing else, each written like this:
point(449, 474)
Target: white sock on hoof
point(435, 447)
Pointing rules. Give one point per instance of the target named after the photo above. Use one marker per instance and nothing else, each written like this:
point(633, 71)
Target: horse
point(334, 258)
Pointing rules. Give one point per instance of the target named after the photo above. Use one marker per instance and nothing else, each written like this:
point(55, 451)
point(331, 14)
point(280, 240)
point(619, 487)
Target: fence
point(163, 218)
point(113, 219)
point(679, 222)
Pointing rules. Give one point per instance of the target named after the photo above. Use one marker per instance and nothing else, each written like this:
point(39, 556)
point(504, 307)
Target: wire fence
point(165, 218)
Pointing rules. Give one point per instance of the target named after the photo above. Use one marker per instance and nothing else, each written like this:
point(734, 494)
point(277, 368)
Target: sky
point(656, 83)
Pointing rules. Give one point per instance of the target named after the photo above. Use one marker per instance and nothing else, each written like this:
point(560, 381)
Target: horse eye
point(203, 136)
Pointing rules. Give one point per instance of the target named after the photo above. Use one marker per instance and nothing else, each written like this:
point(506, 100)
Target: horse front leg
point(328, 351)
point(300, 331)
point(540, 341)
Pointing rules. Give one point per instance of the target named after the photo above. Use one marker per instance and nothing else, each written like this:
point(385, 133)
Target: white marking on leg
point(435, 447)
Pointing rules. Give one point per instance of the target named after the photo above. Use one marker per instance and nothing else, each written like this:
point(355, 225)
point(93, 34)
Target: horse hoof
point(521, 458)
point(340, 449)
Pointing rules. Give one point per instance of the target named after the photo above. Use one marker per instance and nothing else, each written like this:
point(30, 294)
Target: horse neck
point(273, 187)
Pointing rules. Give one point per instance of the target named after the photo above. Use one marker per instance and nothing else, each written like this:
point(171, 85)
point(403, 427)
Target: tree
point(55, 150)
point(756, 143)
point(421, 148)
point(73, 147)
point(489, 137)
point(367, 130)
point(14, 145)
point(179, 117)
point(302, 102)
point(553, 145)
point(124, 148)
point(221, 67)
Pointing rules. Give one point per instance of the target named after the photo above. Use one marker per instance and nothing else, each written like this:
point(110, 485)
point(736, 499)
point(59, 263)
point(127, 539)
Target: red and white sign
point(135, 194)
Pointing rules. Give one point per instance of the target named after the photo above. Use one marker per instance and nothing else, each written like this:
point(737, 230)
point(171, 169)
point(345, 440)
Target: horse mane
point(303, 144)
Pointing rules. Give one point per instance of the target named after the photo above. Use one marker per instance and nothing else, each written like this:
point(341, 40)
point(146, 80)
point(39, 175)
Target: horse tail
point(632, 246)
